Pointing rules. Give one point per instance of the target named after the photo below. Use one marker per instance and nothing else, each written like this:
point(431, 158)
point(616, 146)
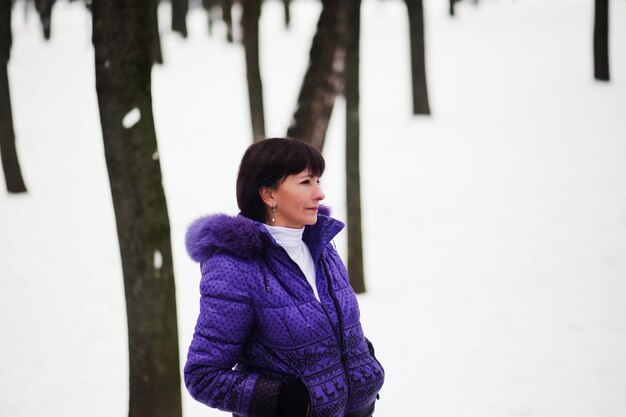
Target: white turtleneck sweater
point(291, 240)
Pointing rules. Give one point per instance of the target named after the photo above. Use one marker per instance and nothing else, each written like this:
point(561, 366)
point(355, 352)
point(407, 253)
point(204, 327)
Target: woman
point(278, 333)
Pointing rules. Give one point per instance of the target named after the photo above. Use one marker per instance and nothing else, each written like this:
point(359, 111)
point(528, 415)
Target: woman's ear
point(267, 195)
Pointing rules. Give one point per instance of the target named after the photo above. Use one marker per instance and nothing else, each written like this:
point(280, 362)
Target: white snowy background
point(495, 230)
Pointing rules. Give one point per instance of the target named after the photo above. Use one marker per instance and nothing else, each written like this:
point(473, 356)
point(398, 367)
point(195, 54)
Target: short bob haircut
point(266, 164)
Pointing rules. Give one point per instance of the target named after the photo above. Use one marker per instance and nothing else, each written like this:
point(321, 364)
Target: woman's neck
point(286, 236)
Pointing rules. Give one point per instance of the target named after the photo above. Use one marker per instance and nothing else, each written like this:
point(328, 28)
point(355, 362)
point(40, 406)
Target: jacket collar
point(247, 238)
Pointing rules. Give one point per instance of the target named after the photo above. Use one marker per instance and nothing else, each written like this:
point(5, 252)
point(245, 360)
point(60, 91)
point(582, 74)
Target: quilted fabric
point(260, 324)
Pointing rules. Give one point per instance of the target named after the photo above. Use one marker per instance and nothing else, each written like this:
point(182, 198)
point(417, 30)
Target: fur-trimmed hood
point(247, 238)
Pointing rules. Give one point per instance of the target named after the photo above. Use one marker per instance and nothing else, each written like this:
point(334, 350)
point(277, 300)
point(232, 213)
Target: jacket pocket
point(367, 376)
point(370, 348)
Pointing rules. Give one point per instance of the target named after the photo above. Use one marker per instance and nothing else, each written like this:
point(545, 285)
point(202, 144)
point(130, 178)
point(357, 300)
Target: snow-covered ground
point(495, 230)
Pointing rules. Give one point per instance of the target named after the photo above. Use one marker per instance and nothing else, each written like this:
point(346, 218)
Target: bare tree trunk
point(179, 16)
point(157, 54)
point(287, 9)
point(418, 61)
point(208, 6)
point(601, 41)
point(451, 4)
point(122, 37)
point(324, 77)
point(250, 23)
point(10, 163)
point(353, 170)
point(228, 18)
point(44, 9)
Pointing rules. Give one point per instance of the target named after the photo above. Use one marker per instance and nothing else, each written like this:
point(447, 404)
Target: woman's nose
point(319, 194)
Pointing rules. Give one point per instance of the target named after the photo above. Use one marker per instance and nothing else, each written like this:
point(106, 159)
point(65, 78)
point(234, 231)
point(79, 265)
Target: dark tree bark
point(451, 4)
point(44, 9)
point(353, 175)
point(122, 37)
point(208, 6)
point(10, 163)
point(324, 77)
point(287, 8)
point(179, 16)
point(250, 23)
point(6, 37)
point(418, 62)
point(157, 54)
point(227, 16)
point(601, 41)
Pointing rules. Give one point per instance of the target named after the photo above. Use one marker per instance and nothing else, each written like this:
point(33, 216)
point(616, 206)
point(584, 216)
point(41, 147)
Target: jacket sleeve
point(224, 323)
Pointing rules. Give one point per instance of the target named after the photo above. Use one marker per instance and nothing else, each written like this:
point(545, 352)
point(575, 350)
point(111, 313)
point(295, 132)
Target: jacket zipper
point(344, 359)
point(338, 333)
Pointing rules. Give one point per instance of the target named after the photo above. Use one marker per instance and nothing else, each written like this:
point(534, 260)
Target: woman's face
point(297, 200)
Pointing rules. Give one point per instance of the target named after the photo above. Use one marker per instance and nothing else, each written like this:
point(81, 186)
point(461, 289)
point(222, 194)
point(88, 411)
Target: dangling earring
point(273, 213)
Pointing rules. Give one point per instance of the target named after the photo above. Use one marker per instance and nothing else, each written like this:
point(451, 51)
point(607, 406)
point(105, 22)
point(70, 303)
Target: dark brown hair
point(266, 164)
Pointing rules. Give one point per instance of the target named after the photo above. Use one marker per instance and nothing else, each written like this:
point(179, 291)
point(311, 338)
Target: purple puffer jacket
point(260, 324)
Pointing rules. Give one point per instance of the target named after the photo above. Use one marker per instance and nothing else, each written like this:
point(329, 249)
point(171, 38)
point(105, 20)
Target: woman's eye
point(305, 182)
